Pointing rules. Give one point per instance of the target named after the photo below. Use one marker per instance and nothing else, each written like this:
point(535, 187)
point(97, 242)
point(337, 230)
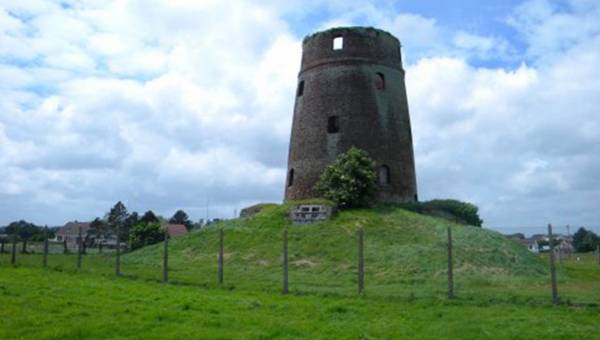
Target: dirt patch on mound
point(304, 263)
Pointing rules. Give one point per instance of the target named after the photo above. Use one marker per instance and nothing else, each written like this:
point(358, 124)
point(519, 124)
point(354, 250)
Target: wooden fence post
point(2, 246)
point(552, 267)
point(361, 261)
point(79, 249)
point(100, 248)
point(598, 251)
point(13, 257)
point(450, 269)
point(65, 248)
point(285, 261)
point(166, 258)
point(220, 264)
point(45, 262)
point(24, 249)
point(118, 253)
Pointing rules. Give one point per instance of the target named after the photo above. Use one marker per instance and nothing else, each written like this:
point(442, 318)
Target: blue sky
point(172, 104)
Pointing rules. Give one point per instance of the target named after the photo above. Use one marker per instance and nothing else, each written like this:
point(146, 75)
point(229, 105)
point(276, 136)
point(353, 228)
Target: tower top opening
point(354, 30)
point(351, 44)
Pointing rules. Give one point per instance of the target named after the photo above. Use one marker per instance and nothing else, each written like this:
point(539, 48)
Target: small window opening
point(291, 178)
point(333, 124)
point(379, 81)
point(384, 175)
point(300, 90)
point(338, 43)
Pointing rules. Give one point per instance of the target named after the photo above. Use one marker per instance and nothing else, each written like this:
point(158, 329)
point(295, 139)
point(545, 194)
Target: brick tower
point(351, 92)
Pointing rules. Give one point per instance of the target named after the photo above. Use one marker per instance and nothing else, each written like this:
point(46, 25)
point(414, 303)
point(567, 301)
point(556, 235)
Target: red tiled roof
point(175, 230)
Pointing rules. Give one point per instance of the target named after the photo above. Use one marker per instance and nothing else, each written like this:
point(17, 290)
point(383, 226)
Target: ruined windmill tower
point(351, 93)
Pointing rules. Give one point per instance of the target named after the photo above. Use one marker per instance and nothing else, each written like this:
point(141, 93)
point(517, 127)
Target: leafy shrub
point(350, 180)
point(461, 212)
point(143, 234)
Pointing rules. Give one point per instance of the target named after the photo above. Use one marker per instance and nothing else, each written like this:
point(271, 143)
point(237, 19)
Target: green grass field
point(502, 289)
point(40, 304)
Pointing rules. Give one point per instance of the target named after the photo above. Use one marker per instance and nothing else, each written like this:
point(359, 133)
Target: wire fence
point(322, 264)
point(53, 248)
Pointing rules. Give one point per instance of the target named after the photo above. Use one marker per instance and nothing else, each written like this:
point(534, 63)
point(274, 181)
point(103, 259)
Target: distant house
point(566, 245)
point(70, 232)
point(533, 246)
point(538, 243)
point(176, 230)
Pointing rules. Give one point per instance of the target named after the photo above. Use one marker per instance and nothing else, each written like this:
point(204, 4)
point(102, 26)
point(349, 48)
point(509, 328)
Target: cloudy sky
point(183, 104)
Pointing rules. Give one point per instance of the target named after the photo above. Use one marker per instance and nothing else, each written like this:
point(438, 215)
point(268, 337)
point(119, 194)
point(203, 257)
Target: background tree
point(149, 217)
point(41, 235)
point(143, 234)
point(23, 229)
point(585, 240)
point(350, 180)
point(180, 217)
point(116, 220)
point(99, 228)
point(131, 220)
point(3, 237)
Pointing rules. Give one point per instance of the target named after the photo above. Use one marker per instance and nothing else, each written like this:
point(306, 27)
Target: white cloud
point(505, 137)
point(536, 177)
point(424, 37)
point(167, 104)
point(144, 101)
point(551, 28)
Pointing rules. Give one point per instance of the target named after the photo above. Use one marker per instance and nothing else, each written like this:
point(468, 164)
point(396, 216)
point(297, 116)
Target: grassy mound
point(405, 254)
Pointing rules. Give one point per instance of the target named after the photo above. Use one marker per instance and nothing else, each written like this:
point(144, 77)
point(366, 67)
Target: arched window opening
point(333, 124)
point(291, 178)
point(300, 90)
point(338, 43)
point(379, 81)
point(384, 175)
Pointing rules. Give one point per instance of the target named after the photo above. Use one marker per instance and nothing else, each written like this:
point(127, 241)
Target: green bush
point(461, 212)
point(143, 234)
point(350, 180)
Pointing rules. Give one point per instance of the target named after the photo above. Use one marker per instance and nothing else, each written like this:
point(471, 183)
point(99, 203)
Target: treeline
point(26, 231)
point(585, 240)
point(134, 231)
